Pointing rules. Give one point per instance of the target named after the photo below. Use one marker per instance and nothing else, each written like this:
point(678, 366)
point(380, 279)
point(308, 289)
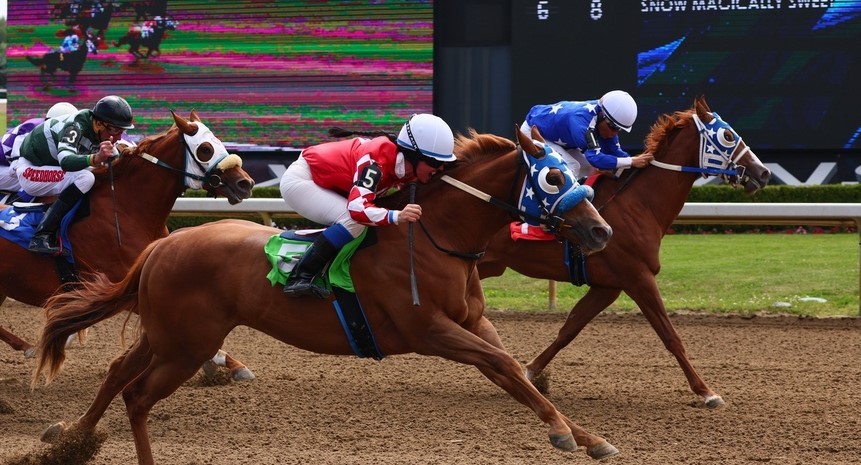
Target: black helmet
point(114, 110)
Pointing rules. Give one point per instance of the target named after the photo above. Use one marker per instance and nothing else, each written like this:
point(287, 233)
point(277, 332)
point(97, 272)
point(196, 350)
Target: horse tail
point(36, 61)
point(70, 312)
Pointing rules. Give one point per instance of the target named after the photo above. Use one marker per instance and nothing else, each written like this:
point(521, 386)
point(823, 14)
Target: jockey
point(336, 183)
point(586, 133)
point(148, 27)
point(71, 43)
point(56, 157)
point(11, 143)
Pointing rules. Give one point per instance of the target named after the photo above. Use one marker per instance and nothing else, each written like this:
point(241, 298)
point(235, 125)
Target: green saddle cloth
point(283, 254)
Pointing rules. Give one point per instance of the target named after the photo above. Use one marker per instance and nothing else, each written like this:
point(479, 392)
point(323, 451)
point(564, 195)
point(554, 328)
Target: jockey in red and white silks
point(336, 184)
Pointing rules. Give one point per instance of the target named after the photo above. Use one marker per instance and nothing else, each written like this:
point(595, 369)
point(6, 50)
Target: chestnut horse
point(640, 206)
point(127, 216)
point(460, 212)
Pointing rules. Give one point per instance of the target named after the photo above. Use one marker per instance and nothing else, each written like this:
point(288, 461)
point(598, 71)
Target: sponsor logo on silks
point(37, 175)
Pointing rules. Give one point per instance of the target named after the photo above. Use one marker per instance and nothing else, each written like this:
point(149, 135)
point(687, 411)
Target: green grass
point(725, 273)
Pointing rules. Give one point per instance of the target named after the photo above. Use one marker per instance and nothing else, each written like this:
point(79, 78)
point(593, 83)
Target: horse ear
point(183, 125)
point(193, 116)
point(536, 134)
point(702, 109)
point(527, 144)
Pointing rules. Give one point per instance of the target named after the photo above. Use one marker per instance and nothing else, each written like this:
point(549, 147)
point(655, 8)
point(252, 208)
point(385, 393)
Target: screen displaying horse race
point(277, 73)
point(785, 72)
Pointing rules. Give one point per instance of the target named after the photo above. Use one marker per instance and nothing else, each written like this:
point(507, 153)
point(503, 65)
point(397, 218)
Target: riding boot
point(45, 239)
point(310, 267)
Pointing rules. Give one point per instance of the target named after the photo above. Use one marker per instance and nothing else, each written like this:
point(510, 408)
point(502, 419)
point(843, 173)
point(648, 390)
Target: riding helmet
point(428, 135)
point(114, 110)
point(620, 108)
point(60, 109)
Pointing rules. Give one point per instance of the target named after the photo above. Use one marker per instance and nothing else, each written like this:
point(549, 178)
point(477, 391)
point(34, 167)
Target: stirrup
point(42, 244)
point(301, 288)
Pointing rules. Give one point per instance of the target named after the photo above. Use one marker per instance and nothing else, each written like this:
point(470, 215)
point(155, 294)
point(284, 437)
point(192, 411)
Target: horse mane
point(146, 145)
point(474, 146)
point(667, 123)
point(470, 148)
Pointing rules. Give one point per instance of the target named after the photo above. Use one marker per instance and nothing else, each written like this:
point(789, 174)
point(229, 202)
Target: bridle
point(549, 201)
point(717, 155)
point(201, 174)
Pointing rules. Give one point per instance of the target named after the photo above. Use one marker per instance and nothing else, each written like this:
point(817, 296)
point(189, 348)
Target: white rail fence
point(810, 214)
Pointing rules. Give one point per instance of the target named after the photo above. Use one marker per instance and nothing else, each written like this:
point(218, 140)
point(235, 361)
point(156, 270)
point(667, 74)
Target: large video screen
point(784, 73)
point(274, 73)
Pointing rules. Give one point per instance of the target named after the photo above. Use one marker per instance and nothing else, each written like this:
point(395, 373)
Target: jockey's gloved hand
point(106, 151)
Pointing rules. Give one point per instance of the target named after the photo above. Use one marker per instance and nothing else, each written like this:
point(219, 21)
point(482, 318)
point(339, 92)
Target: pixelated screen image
point(275, 73)
point(784, 73)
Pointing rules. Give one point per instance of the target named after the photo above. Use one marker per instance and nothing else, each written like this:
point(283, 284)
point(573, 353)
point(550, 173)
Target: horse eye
point(205, 152)
point(725, 137)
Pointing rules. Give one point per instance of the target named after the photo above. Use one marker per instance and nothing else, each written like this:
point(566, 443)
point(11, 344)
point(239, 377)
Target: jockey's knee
point(84, 180)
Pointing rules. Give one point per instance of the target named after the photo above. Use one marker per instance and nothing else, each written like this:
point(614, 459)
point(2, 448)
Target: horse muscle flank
point(71, 312)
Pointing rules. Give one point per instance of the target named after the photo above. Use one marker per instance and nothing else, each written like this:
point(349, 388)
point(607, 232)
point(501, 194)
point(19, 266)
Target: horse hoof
point(242, 374)
point(53, 432)
point(714, 401)
point(563, 441)
point(602, 451)
point(30, 353)
point(209, 368)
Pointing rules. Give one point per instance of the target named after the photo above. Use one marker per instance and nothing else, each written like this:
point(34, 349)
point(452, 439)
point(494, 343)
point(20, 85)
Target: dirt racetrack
point(792, 386)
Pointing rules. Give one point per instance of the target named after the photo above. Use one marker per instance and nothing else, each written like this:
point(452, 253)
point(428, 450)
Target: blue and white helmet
point(428, 135)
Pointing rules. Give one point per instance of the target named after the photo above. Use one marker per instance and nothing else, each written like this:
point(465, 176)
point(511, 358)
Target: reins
point(708, 147)
point(210, 180)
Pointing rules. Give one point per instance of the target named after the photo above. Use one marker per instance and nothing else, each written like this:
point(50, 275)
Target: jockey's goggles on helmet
point(613, 126)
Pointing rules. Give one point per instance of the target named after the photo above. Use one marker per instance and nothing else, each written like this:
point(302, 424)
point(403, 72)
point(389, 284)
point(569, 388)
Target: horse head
point(552, 197)
point(191, 149)
point(721, 151)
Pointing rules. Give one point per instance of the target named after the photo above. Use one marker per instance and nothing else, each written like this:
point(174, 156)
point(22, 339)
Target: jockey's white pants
point(313, 202)
point(8, 179)
point(573, 156)
point(41, 181)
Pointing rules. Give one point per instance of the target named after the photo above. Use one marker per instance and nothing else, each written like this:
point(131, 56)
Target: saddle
point(284, 252)
point(18, 223)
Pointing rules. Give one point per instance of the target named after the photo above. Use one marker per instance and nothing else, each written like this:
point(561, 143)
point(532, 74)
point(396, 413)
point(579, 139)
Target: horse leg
point(648, 298)
point(448, 340)
point(588, 307)
point(238, 370)
point(160, 379)
point(17, 343)
point(122, 370)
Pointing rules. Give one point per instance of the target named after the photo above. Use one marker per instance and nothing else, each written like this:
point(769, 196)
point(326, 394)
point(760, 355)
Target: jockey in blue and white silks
point(586, 133)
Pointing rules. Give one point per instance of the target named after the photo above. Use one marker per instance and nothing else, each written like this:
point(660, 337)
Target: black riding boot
point(301, 280)
point(45, 239)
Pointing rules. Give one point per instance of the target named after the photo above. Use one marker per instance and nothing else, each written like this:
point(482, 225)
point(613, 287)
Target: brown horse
point(187, 271)
point(640, 206)
point(127, 216)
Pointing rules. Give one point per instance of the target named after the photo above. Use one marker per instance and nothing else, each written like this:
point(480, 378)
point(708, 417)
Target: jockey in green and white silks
point(57, 154)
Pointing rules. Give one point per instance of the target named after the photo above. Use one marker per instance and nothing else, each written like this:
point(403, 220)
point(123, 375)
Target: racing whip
point(413, 285)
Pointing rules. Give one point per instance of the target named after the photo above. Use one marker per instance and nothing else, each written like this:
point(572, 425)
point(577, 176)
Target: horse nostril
point(602, 234)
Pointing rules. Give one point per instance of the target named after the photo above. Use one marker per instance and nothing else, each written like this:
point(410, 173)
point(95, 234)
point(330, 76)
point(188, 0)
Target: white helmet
point(60, 109)
point(620, 108)
point(428, 135)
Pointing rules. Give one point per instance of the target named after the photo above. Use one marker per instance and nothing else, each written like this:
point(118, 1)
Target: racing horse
point(147, 181)
point(72, 62)
point(135, 40)
point(460, 212)
point(640, 206)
